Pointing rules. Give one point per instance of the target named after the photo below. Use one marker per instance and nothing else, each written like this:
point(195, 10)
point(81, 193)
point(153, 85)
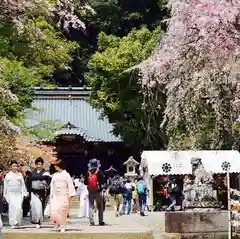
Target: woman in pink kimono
point(61, 192)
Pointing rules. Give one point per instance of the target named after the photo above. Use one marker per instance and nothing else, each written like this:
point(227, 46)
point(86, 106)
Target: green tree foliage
point(28, 57)
point(118, 92)
point(20, 81)
point(113, 17)
point(118, 17)
point(45, 131)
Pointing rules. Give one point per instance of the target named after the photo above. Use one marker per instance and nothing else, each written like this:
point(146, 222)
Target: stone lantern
point(131, 165)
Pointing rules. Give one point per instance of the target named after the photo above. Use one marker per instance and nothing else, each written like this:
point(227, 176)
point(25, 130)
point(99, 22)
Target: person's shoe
point(58, 228)
point(13, 227)
point(142, 214)
point(38, 226)
point(102, 223)
point(62, 230)
point(92, 223)
point(148, 208)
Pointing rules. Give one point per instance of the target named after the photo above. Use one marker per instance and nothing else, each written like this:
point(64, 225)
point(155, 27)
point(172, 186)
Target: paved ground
point(153, 223)
point(128, 223)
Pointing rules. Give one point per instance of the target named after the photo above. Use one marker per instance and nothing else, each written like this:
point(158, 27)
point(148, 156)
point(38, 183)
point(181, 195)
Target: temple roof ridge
point(62, 92)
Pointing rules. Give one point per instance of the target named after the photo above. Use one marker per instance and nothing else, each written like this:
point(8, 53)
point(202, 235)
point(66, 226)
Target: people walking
point(127, 197)
point(116, 190)
point(142, 191)
point(94, 179)
point(61, 192)
point(76, 182)
point(14, 193)
point(82, 192)
point(26, 200)
point(39, 182)
point(135, 206)
point(173, 191)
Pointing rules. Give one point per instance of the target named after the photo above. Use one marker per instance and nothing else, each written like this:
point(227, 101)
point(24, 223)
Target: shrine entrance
point(76, 153)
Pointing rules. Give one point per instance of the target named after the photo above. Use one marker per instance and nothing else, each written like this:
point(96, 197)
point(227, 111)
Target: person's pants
point(135, 205)
point(173, 202)
point(26, 206)
point(104, 203)
point(118, 198)
point(127, 200)
point(99, 202)
point(142, 202)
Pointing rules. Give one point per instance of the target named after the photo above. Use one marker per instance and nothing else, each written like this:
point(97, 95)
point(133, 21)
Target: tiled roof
point(67, 105)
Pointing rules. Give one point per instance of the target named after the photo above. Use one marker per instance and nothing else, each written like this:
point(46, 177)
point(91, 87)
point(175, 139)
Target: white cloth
point(47, 174)
point(128, 185)
point(36, 209)
point(84, 204)
point(80, 189)
point(76, 182)
point(14, 192)
point(47, 209)
point(62, 184)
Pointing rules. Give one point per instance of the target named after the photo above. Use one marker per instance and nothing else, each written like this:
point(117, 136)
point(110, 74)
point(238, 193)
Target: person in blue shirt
point(127, 196)
point(142, 191)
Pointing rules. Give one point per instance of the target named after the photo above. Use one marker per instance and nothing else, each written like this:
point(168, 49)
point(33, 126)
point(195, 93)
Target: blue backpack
point(141, 188)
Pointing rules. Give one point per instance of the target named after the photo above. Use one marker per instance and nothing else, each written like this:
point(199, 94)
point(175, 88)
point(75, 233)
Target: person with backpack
point(127, 196)
point(116, 190)
point(142, 191)
point(94, 179)
point(135, 206)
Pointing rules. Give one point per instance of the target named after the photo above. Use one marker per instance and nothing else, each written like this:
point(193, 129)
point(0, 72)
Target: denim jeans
point(173, 202)
point(127, 200)
point(142, 202)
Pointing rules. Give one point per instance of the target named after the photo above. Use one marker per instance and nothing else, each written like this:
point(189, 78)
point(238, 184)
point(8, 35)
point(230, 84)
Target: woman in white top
point(14, 192)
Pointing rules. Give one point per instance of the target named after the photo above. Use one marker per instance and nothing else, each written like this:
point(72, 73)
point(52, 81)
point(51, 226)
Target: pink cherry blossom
point(61, 12)
point(198, 62)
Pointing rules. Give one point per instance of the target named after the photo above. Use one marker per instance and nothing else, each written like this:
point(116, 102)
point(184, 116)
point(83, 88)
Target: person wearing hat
point(94, 179)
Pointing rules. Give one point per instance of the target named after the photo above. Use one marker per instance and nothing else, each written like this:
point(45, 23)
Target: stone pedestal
point(197, 224)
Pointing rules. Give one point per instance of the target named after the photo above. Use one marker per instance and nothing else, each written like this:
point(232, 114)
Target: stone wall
point(192, 222)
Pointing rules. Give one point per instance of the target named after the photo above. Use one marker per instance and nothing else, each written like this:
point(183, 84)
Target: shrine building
point(81, 133)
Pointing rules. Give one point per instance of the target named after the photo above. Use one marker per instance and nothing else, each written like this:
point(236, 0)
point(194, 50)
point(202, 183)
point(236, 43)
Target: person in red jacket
point(94, 180)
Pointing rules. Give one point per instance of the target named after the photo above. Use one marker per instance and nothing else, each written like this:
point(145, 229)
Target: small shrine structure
point(131, 165)
point(111, 171)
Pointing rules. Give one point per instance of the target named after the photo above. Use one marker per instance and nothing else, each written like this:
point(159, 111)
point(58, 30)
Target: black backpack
point(116, 187)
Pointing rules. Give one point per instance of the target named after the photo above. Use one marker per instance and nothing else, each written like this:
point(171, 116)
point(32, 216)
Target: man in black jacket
point(173, 191)
point(94, 180)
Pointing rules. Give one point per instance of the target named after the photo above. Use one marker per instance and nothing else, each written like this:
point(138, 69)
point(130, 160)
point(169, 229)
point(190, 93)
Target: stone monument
point(200, 194)
point(201, 216)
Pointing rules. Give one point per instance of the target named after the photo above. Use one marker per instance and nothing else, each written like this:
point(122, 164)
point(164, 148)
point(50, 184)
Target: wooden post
point(229, 207)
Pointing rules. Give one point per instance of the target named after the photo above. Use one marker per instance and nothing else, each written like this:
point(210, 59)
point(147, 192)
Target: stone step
point(68, 235)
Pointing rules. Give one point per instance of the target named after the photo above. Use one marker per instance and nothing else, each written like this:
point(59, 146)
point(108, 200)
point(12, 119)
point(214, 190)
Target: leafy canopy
point(28, 57)
point(116, 91)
